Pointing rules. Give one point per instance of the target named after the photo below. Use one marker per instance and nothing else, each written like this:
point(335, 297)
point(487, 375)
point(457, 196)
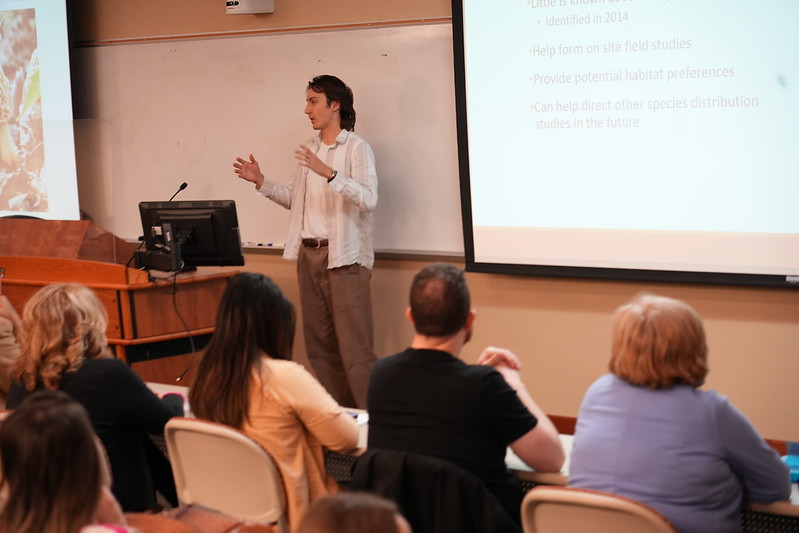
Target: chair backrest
point(105, 462)
point(221, 468)
point(435, 496)
point(553, 509)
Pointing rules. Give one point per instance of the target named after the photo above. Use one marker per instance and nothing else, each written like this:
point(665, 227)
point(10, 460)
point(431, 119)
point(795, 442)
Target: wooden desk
point(146, 319)
point(338, 467)
point(788, 508)
point(525, 473)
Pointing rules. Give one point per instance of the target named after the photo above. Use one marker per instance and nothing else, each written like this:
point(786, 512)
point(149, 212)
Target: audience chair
point(554, 509)
point(105, 462)
point(434, 495)
point(219, 467)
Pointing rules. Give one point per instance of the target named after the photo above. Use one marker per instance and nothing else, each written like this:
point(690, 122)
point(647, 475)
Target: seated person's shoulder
point(6, 330)
point(106, 364)
point(111, 371)
point(9, 349)
point(481, 373)
point(389, 364)
point(387, 361)
point(289, 370)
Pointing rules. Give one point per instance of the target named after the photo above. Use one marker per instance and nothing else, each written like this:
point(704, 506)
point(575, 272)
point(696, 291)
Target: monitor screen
point(182, 235)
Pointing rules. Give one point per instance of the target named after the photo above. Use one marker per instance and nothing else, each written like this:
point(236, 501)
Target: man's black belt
point(314, 243)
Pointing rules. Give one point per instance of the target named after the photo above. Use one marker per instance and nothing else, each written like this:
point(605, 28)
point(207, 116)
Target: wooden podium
point(147, 319)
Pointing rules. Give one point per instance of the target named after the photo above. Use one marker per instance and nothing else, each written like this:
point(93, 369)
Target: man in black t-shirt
point(426, 400)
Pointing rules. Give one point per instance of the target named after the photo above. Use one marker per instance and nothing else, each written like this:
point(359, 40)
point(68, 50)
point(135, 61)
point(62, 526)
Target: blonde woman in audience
point(246, 380)
point(646, 431)
point(63, 346)
point(353, 512)
point(52, 472)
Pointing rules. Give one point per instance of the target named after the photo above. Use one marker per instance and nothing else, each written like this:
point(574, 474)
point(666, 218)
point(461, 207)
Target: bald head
point(439, 300)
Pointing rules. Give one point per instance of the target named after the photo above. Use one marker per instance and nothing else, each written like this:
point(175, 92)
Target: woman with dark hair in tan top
point(246, 380)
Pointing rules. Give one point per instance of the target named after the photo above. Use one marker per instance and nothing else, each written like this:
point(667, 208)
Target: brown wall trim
point(431, 257)
point(264, 31)
point(778, 445)
point(565, 425)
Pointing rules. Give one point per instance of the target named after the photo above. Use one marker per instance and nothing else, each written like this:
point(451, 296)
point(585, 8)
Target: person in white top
point(332, 198)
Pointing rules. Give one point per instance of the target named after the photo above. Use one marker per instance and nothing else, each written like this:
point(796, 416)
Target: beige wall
point(558, 326)
point(560, 329)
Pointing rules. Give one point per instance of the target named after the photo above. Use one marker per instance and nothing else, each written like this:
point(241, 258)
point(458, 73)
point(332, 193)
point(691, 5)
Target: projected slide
point(634, 134)
point(37, 161)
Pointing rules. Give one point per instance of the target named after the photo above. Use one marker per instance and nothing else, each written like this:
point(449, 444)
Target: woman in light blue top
point(647, 432)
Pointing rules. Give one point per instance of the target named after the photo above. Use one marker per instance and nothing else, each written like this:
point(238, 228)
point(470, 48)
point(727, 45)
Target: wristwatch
point(331, 178)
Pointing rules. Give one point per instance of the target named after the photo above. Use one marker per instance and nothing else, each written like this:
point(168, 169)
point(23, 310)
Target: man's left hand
point(498, 357)
point(307, 158)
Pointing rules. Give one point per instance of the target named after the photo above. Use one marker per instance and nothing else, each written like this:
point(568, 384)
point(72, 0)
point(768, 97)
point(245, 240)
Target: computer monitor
point(183, 235)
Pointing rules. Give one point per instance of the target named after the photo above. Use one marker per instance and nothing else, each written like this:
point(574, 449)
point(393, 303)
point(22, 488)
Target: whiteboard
point(157, 114)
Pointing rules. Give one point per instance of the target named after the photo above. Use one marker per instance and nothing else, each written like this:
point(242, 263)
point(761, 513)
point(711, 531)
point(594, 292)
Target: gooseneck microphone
point(183, 374)
point(141, 239)
point(182, 186)
point(191, 338)
point(138, 255)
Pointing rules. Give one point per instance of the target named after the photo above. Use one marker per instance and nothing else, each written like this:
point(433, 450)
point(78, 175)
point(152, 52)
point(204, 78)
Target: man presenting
point(425, 400)
point(332, 198)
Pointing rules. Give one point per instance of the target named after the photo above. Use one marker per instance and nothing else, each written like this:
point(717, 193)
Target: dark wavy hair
point(439, 300)
point(51, 467)
point(336, 90)
point(350, 512)
point(254, 320)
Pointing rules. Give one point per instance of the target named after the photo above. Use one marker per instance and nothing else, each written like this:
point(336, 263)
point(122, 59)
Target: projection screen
point(37, 149)
point(630, 139)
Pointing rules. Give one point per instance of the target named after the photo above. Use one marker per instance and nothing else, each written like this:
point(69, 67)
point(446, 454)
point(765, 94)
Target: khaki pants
point(337, 325)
